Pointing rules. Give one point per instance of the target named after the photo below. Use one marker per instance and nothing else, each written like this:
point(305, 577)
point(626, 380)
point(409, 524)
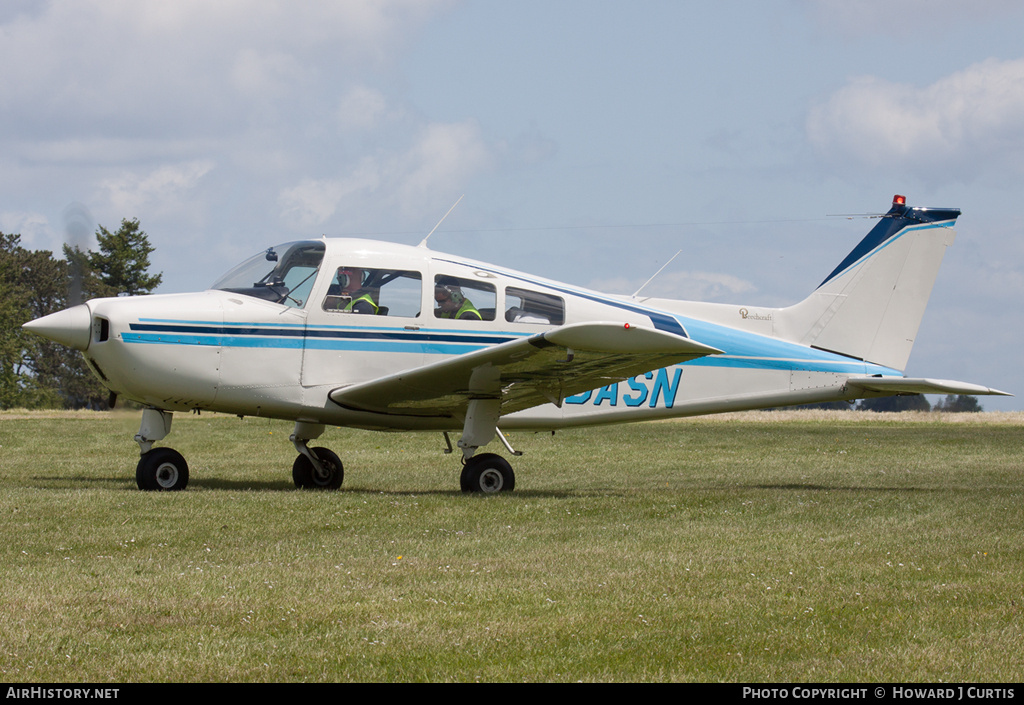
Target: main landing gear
point(487, 473)
point(314, 468)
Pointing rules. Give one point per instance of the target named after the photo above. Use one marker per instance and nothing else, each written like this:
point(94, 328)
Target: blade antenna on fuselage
point(637, 292)
point(424, 242)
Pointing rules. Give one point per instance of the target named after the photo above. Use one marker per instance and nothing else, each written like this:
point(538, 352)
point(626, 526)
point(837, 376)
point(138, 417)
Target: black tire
point(305, 477)
point(487, 473)
point(162, 470)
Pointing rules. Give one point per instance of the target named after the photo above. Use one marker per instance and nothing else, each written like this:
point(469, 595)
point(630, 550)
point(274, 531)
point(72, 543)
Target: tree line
point(951, 403)
point(38, 373)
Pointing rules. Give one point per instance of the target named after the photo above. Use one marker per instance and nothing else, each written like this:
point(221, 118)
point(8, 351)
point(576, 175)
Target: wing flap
point(524, 373)
point(920, 385)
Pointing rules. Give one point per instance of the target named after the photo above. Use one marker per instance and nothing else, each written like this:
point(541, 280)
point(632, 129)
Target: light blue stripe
point(889, 241)
point(216, 340)
point(838, 366)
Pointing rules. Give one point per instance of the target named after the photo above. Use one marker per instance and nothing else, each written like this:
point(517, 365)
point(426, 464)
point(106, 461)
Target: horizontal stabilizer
point(920, 385)
point(524, 373)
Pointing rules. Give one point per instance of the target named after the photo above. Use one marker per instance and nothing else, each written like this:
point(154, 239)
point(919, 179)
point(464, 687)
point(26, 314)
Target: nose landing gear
point(159, 469)
point(162, 469)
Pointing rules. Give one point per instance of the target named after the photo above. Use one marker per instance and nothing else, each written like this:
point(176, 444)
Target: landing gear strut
point(314, 468)
point(487, 473)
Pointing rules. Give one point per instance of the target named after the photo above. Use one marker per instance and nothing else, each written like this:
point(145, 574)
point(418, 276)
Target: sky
point(591, 140)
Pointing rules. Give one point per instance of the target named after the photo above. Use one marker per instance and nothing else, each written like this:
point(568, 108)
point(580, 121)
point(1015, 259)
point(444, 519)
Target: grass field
point(835, 546)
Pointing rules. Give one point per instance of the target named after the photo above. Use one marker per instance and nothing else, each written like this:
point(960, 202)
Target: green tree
point(120, 267)
point(31, 283)
point(35, 372)
point(122, 263)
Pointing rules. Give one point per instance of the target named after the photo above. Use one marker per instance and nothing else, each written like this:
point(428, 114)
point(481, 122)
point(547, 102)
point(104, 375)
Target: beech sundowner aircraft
point(389, 337)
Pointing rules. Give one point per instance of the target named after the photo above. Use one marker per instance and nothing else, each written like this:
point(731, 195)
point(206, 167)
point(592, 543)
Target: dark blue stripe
point(892, 222)
point(364, 334)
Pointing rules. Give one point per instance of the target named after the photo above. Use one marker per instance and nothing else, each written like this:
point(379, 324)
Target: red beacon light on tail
point(899, 200)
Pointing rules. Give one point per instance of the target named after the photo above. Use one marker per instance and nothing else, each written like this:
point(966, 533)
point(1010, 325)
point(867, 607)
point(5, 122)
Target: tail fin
point(871, 305)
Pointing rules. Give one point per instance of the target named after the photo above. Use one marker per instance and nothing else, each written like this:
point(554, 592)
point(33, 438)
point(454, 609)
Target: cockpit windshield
point(283, 274)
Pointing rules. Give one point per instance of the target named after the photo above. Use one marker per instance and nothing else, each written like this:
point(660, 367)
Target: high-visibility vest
point(467, 307)
point(364, 297)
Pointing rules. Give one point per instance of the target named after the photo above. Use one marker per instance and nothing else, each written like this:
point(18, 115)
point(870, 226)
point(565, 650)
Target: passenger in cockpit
point(452, 303)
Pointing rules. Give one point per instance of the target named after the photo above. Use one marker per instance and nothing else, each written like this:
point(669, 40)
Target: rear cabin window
point(525, 306)
point(464, 299)
point(375, 292)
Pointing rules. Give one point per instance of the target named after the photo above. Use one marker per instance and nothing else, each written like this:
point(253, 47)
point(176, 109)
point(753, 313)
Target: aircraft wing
point(527, 372)
point(919, 385)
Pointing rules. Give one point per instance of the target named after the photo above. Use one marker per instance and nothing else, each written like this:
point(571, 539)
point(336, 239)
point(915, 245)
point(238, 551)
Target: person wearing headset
point(351, 280)
point(452, 303)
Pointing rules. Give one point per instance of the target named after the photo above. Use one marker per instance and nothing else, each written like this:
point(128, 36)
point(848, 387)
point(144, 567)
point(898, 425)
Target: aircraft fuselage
point(227, 352)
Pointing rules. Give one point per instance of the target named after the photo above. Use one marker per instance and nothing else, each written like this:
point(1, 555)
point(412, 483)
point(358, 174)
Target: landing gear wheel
point(161, 470)
point(487, 473)
point(305, 475)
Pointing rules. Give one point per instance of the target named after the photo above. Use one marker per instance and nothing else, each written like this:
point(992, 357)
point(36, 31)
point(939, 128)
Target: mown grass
point(761, 547)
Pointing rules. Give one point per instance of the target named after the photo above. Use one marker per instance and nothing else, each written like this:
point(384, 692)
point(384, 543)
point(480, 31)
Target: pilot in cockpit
point(350, 282)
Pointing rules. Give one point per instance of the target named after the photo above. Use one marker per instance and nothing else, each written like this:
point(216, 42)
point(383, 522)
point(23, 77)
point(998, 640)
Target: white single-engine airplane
point(390, 337)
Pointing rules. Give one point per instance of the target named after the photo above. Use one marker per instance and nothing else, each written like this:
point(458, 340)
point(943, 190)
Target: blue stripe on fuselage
point(252, 335)
point(745, 350)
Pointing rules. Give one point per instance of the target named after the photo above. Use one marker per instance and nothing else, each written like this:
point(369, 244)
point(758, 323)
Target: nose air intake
point(71, 327)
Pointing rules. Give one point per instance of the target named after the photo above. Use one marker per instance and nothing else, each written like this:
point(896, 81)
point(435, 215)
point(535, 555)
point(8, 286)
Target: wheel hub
point(166, 475)
point(491, 480)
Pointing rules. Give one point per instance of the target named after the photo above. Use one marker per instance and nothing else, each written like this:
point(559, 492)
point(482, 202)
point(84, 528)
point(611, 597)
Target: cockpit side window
point(525, 306)
point(376, 292)
point(464, 299)
point(283, 274)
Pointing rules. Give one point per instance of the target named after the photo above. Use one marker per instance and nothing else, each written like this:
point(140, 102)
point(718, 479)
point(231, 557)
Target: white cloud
point(312, 202)
point(34, 228)
point(970, 120)
point(363, 108)
point(407, 184)
point(266, 75)
point(102, 65)
point(158, 191)
point(688, 286)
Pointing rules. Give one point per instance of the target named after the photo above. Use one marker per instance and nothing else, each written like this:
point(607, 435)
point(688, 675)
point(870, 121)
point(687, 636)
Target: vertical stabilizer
point(871, 305)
